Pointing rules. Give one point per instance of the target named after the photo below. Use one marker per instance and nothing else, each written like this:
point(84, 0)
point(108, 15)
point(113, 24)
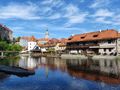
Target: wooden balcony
point(81, 46)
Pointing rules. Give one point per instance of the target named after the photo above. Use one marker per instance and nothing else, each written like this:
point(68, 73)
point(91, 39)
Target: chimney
point(72, 35)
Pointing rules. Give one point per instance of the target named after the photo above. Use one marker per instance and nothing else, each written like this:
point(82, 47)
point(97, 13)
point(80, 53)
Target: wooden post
point(2, 54)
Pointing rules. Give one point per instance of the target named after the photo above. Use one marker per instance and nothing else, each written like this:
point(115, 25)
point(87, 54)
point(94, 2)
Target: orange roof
point(43, 39)
point(63, 40)
point(99, 35)
point(31, 38)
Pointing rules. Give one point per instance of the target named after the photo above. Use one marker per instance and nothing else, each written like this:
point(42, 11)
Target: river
point(61, 74)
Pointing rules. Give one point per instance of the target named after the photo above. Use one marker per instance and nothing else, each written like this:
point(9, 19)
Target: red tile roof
point(42, 39)
point(63, 40)
point(99, 35)
point(31, 38)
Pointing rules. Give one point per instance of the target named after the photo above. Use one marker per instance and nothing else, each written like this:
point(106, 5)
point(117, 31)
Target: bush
point(14, 47)
point(4, 46)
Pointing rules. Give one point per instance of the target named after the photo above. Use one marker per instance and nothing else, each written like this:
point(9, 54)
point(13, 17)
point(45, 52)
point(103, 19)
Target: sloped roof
point(63, 40)
point(31, 38)
point(43, 39)
point(6, 28)
point(99, 35)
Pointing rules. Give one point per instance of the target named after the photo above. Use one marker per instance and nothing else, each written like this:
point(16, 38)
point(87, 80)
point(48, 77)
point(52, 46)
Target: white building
point(31, 45)
point(105, 42)
point(28, 43)
point(60, 47)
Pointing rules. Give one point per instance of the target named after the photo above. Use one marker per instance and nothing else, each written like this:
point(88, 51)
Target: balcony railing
point(108, 45)
point(81, 46)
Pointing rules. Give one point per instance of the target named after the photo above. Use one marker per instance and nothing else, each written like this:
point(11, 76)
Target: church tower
point(46, 34)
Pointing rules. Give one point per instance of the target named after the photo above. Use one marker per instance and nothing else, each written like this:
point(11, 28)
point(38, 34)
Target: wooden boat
point(16, 70)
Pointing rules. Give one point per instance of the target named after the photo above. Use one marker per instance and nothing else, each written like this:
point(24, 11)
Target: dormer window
point(69, 38)
point(82, 37)
point(95, 35)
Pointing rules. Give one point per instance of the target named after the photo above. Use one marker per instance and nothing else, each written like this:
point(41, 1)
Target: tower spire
point(46, 34)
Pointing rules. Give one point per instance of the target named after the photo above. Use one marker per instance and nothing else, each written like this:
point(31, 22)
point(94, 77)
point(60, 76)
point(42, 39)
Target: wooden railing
point(2, 52)
point(81, 46)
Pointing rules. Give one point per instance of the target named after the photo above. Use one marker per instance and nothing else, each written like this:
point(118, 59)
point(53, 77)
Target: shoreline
point(67, 56)
point(94, 57)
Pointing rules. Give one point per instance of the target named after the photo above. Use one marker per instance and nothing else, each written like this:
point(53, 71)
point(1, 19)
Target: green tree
point(18, 39)
point(14, 47)
point(3, 45)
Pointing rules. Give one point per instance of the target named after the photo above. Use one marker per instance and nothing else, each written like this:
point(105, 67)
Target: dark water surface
point(59, 74)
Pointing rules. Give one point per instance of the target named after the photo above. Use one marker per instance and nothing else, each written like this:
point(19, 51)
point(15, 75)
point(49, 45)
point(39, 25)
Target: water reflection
point(103, 66)
point(76, 68)
point(95, 72)
point(98, 66)
point(98, 70)
point(37, 62)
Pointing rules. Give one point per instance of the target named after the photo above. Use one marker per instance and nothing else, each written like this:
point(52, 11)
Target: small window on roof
point(82, 37)
point(69, 38)
point(96, 35)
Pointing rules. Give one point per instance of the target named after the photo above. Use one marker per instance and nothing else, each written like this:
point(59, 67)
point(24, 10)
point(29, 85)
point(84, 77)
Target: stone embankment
point(94, 57)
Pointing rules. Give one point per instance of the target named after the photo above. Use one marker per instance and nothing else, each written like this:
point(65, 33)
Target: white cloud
point(80, 18)
point(116, 19)
point(103, 20)
point(103, 13)
point(74, 15)
point(100, 3)
point(53, 3)
point(55, 16)
point(12, 10)
point(71, 10)
point(47, 2)
point(18, 29)
point(103, 16)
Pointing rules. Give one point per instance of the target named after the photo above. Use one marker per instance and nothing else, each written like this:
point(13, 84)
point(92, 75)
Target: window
point(82, 37)
point(110, 49)
point(105, 50)
point(109, 41)
point(95, 35)
point(69, 38)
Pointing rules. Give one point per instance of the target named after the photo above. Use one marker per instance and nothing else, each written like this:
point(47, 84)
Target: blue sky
point(62, 17)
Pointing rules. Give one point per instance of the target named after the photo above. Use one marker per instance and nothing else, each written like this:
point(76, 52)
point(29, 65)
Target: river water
point(60, 74)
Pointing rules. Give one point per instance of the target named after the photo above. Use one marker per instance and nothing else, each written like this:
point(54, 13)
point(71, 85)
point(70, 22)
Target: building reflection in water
point(29, 63)
point(103, 66)
point(98, 70)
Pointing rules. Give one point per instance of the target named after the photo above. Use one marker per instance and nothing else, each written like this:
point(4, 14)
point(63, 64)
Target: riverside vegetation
point(9, 46)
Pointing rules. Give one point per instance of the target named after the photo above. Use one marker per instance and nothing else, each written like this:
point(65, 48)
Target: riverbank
point(41, 55)
point(71, 56)
point(94, 57)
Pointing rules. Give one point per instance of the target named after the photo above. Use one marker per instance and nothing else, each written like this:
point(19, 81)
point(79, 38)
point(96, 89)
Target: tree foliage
point(4, 46)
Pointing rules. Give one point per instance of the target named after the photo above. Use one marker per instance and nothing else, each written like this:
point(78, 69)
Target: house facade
point(106, 42)
point(28, 43)
point(5, 33)
point(58, 45)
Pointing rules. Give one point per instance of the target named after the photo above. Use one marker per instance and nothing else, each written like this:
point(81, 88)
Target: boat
point(16, 70)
